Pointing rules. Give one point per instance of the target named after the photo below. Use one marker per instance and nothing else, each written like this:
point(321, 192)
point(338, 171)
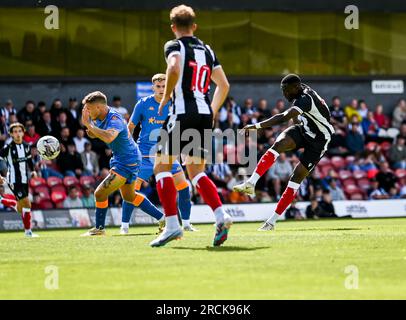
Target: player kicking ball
point(104, 123)
point(313, 133)
point(17, 155)
point(191, 66)
point(146, 114)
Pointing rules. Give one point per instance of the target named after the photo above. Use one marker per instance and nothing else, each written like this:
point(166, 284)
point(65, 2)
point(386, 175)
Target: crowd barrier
point(251, 212)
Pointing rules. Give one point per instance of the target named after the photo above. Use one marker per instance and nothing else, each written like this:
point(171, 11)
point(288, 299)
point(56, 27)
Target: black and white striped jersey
point(19, 162)
point(314, 114)
point(198, 60)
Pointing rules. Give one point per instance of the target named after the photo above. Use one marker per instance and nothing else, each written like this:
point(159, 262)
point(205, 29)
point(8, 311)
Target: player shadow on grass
point(221, 249)
point(326, 229)
point(134, 234)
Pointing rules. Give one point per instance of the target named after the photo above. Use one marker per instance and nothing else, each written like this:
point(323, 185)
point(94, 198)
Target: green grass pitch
point(301, 260)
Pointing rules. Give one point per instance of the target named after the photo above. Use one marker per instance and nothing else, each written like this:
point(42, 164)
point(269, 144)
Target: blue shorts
point(130, 172)
point(147, 168)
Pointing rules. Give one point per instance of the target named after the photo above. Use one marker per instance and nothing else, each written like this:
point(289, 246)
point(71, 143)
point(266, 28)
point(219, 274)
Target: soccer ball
point(48, 147)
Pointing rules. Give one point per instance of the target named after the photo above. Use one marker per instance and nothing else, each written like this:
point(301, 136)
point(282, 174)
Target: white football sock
point(254, 178)
point(172, 223)
point(125, 225)
point(186, 223)
point(273, 218)
point(219, 215)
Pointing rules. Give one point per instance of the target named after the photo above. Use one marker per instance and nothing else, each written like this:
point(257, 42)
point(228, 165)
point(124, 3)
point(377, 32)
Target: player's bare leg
point(110, 184)
point(299, 174)
point(182, 186)
point(207, 189)
point(283, 143)
point(167, 192)
point(24, 208)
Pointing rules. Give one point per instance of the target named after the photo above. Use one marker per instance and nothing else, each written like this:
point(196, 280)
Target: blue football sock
point(184, 203)
point(101, 217)
point(148, 207)
point(127, 211)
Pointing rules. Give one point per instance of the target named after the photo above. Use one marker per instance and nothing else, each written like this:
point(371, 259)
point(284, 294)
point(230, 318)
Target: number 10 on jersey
point(200, 77)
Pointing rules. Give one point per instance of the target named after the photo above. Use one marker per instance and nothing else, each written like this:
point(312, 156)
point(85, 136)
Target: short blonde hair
point(182, 16)
point(96, 96)
point(159, 77)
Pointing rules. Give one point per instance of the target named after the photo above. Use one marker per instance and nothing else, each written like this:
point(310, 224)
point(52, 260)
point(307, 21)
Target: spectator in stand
point(88, 197)
point(61, 123)
point(250, 110)
point(381, 119)
point(385, 177)
point(399, 114)
point(39, 111)
point(354, 140)
point(26, 115)
point(326, 205)
point(375, 192)
point(369, 126)
point(30, 136)
point(73, 200)
point(336, 192)
point(394, 194)
point(80, 140)
point(279, 174)
point(403, 129)
point(337, 113)
point(65, 138)
point(3, 130)
point(45, 125)
point(352, 110)
point(263, 110)
point(7, 110)
point(90, 161)
point(293, 212)
point(313, 210)
point(220, 173)
point(56, 109)
point(104, 158)
point(116, 105)
point(74, 113)
point(354, 119)
point(44, 168)
point(363, 109)
point(280, 105)
point(397, 153)
point(70, 162)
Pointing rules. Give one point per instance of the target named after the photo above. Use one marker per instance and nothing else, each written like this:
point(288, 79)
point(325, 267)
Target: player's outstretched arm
point(274, 120)
point(222, 88)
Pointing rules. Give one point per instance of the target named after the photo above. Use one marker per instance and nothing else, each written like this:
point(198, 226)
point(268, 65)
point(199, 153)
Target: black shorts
point(314, 149)
point(187, 134)
point(20, 190)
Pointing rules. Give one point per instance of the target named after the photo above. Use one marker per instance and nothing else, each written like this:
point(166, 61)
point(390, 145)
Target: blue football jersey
point(124, 148)
point(146, 113)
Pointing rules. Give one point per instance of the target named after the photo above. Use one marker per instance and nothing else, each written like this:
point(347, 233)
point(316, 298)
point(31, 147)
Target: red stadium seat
point(54, 181)
point(70, 181)
point(349, 182)
point(352, 188)
point(344, 174)
point(356, 196)
point(90, 181)
point(338, 162)
point(364, 184)
point(325, 169)
point(58, 197)
point(324, 161)
point(359, 174)
point(36, 182)
point(43, 192)
point(349, 159)
point(46, 204)
point(59, 188)
point(400, 173)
